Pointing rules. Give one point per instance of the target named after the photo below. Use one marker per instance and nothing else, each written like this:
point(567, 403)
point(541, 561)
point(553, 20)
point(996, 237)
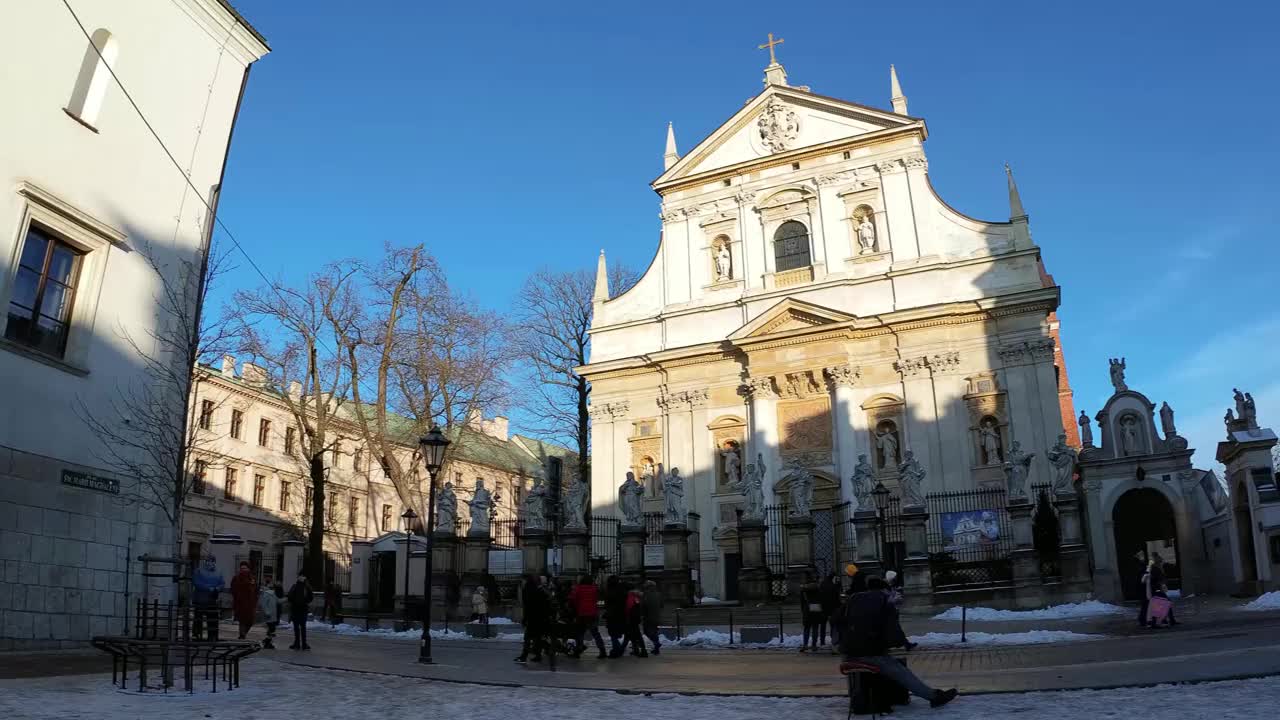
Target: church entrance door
point(382, 585)
point(1144, 526)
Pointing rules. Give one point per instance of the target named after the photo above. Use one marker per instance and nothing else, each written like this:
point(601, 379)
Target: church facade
point(813, 301)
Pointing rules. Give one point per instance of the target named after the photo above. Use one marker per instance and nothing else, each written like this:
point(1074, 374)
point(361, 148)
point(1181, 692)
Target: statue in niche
point(1117, 375)
point(801, 495)
point(866, 234)
point(446, 509)
point(673, 492)
point(575, 504)
point(1086, 430)
point(911, 481)
point(1016, 470)
point(630, 494)
point(1129, 435)
point(863, 483)
point(535, 506)
point(887, 442)
point(1166, 421)
point(649, 475)
point(752, 488)
point(481, 503)
point(1063, 459)
point(989, 434)
point(724, 263)
point(732, 464)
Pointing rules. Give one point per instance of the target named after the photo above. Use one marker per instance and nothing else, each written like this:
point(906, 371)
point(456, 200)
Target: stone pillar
point(632, 552)
point(292, 565)
point(475, 563)
point(866, 531)
point(799, 539)
point(361, 557)
point(677, 589)
point(916, 576)
point(533, 549)
point(443, 559)
point(575, 559)
point(842, 379)
point(1073, 555)
point(753, 577)
point(1027, 586)
point(763, 437)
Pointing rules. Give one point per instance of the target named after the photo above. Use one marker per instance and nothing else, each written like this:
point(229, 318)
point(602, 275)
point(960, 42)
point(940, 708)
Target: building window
point(237, 421)
point(206, 414)
point(353, 515)
point(264, 432)
point(43, 293)
point(259, 489)
point(331, 509)
point(357, 460)
point(197, 482)
point(229, 490)
point(386, 518)
point(284, 496)
point(457, 480)
point(306, 510)
point(337, 451)
point(94, 77)
point(289, 435)
point(790, 246)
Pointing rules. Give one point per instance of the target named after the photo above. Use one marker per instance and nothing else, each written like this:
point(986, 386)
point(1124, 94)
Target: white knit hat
point(890, 576)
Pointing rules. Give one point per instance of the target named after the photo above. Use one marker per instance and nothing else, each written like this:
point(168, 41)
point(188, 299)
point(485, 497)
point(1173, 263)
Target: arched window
point(790, 246)
point(94, 77)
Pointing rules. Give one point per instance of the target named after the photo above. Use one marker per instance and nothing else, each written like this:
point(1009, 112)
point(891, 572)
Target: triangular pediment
point(790, 315)
point(780, 120)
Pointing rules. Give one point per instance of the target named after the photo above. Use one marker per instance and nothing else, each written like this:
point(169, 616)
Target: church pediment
point(780, 120)
point(789, 315)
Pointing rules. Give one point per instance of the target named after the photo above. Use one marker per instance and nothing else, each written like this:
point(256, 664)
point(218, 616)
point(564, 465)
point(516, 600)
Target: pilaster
point(763, 427)
point(846, 413)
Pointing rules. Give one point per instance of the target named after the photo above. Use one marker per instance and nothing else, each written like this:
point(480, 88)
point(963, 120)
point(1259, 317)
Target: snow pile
point(1032, 637)
point(1069, 611)
point(717, 639)
point(715, 601)
point(495, 621)
point(1270, 601)
point(345, 629)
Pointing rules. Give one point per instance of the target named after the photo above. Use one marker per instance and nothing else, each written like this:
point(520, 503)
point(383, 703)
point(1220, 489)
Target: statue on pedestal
point(801, 489)
point(1063, 459)
point(864, 480)
point(911, 481)
point(629, 497)
point(732, 465)
point(1117, 375)
point(673, 493)
point(989, 432)
point(724, 269)
point(1086, 430)
point(446, 510)
point(481, 503)
point(887, 442)
point(535, 506)
point(1166, 421)
point(1250, 411)
point(866, 235)
point(1016, 470)
point(752, 488)
point(575, 505)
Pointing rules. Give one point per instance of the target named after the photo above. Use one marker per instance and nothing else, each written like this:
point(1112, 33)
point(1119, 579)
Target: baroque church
point(814, 303)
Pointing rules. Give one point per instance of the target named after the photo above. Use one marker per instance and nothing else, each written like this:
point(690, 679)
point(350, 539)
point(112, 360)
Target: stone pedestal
point(444, 553)
point(866, 524)
point(361, 557)
point(575, 555)
point(799, 553)
point(1027, 585)
point(631, 555)
point(1073, 555)
point(677, 586)
point(292, 564)
point(533, 548)
point(753, 577)
point(916, 576)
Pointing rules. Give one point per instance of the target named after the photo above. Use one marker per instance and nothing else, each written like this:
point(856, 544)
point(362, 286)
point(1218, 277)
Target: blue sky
point(511, 135)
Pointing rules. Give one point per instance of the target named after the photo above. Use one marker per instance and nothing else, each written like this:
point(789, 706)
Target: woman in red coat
point(244, 599)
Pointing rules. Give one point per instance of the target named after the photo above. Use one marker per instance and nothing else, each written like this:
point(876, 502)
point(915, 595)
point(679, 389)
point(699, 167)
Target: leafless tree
point(553, 313)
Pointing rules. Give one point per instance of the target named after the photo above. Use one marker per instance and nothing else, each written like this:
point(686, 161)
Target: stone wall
point(68, 553)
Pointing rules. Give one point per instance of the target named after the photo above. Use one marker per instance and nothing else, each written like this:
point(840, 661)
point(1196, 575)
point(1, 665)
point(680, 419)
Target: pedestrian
point(269, 602)
point(811, 614)
point(535, 608)
point(300, 597)
point(1157, 587)
point(584, 599)
point(652, 613)
point(871, 622)
point(829, 598)
point(244, 599)
point(479, 606)
point(894, 588)
point(615, 614)
point(635, 617)
point(898, 638)
point(206, 585)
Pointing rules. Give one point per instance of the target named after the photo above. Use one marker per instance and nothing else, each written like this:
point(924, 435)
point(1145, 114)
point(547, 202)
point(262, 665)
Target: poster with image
point(970, 529)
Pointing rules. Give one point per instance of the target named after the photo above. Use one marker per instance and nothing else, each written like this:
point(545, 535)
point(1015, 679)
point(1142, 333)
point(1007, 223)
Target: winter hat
point(850, 569)
point(890, 576)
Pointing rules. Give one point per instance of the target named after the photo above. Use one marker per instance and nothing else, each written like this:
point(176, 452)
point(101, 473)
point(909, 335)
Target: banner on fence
point(654, 556)
point(506, 562)
point(970, 529)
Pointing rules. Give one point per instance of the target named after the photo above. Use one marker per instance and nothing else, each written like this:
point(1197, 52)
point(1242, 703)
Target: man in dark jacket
point(300, 597)
point(244, 599)
point(584, 598)
point(652, 613)
point(535, 605)
point(871, 626)
point(615, 613)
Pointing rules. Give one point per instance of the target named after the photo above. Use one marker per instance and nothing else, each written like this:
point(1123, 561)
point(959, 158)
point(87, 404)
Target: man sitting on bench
point(871, 626)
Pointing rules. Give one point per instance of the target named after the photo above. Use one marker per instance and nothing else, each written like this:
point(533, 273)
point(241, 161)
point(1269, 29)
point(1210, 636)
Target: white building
point(84, 186)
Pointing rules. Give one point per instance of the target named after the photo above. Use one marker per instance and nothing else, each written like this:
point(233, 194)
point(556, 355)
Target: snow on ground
point(1270, 601)
point(1031, 637)
point(275, 691)
point(1069, 611)
point(387, 633)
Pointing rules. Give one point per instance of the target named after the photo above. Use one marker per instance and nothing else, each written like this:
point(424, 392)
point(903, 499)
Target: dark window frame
point(237, 424)
point(206, 414)
point(26, 336)
point(200, 477)
point(259, 490)
point(284, 496)
point(229, 484)
point(264, 432)
point(787, 255)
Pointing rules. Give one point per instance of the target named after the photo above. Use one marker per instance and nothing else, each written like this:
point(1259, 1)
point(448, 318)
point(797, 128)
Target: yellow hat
point(850, 569)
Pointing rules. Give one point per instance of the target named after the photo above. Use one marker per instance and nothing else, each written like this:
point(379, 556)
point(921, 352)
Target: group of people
point(247, 601)
point(559, 617)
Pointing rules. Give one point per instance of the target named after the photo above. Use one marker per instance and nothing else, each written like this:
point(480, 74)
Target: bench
point(855, 673)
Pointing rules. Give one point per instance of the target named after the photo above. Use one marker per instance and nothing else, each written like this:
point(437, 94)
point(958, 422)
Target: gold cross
point(772, 60)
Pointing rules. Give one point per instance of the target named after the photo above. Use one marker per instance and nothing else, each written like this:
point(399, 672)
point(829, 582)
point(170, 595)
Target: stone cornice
point(681, 399)
point(912, 368)
point(609, 411)
point(1026, 352)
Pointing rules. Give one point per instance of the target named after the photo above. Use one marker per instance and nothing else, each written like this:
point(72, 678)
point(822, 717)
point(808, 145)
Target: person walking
point(300, 597)
point(206, 584)
point(269, 602)
point(635, 617)
point(535, 605)
point(615, 614)
point(652, 613)
point(244, 599)
point(584, 598)
point(479, 606)
point(829, 599)
point(811, 615)
point(1157, 587)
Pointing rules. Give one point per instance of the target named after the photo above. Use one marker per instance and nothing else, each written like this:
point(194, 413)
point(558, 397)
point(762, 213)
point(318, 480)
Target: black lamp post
point(881, 497)
point(408, 516)
point(433, 445)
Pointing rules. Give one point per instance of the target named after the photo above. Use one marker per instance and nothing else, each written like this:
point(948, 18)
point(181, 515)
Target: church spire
point(1015, 200)
point(602, 280)
point(671, 156)
point(774, 73)
point(895, 91)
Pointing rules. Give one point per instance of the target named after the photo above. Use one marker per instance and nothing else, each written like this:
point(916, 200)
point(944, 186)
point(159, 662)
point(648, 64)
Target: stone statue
point(575, 504)
point(1016, 470)
point(887, 441)
point(1117, 375)
point(732, 465)
point(911, 481)
point(866, 235)
point(724, 268)
point(863, 483)
point(673, 492)
point(1166, 421)
point(446, 509)
point(1250, 411)
point(630, 494)
point(989, 433)
point(1063, 459)
point(480, 503)
point(535, 506)
point(647, 472)
point(1240, 403)
point(752, 488)
point(1229, 418)
point(1129, 435)
point(801, 494)
point(1086, 430)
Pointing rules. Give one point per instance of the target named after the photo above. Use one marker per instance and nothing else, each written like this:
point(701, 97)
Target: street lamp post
point(408, 516)
point(881, 496)
point(433, 445)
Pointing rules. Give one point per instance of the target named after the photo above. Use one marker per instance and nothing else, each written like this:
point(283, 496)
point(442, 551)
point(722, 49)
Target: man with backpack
point(870, 627)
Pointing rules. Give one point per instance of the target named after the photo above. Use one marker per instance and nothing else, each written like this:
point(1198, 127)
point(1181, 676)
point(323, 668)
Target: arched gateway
point(1144, 527)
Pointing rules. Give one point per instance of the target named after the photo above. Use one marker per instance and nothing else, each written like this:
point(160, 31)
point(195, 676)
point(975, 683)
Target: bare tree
point(553, 318)
point(294, 334)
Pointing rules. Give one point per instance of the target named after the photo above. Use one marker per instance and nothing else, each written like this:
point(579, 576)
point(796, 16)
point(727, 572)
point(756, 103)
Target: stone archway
point(1144, 524)
point(1244, 538)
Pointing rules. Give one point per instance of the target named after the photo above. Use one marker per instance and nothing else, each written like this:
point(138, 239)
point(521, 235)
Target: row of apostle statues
point(631, 496)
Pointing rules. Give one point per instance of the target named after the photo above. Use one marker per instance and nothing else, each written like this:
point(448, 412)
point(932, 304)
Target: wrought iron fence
point(775, 548)
point(653, 524)
point(970, 538)
point(506, 534)
point(606, 546)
